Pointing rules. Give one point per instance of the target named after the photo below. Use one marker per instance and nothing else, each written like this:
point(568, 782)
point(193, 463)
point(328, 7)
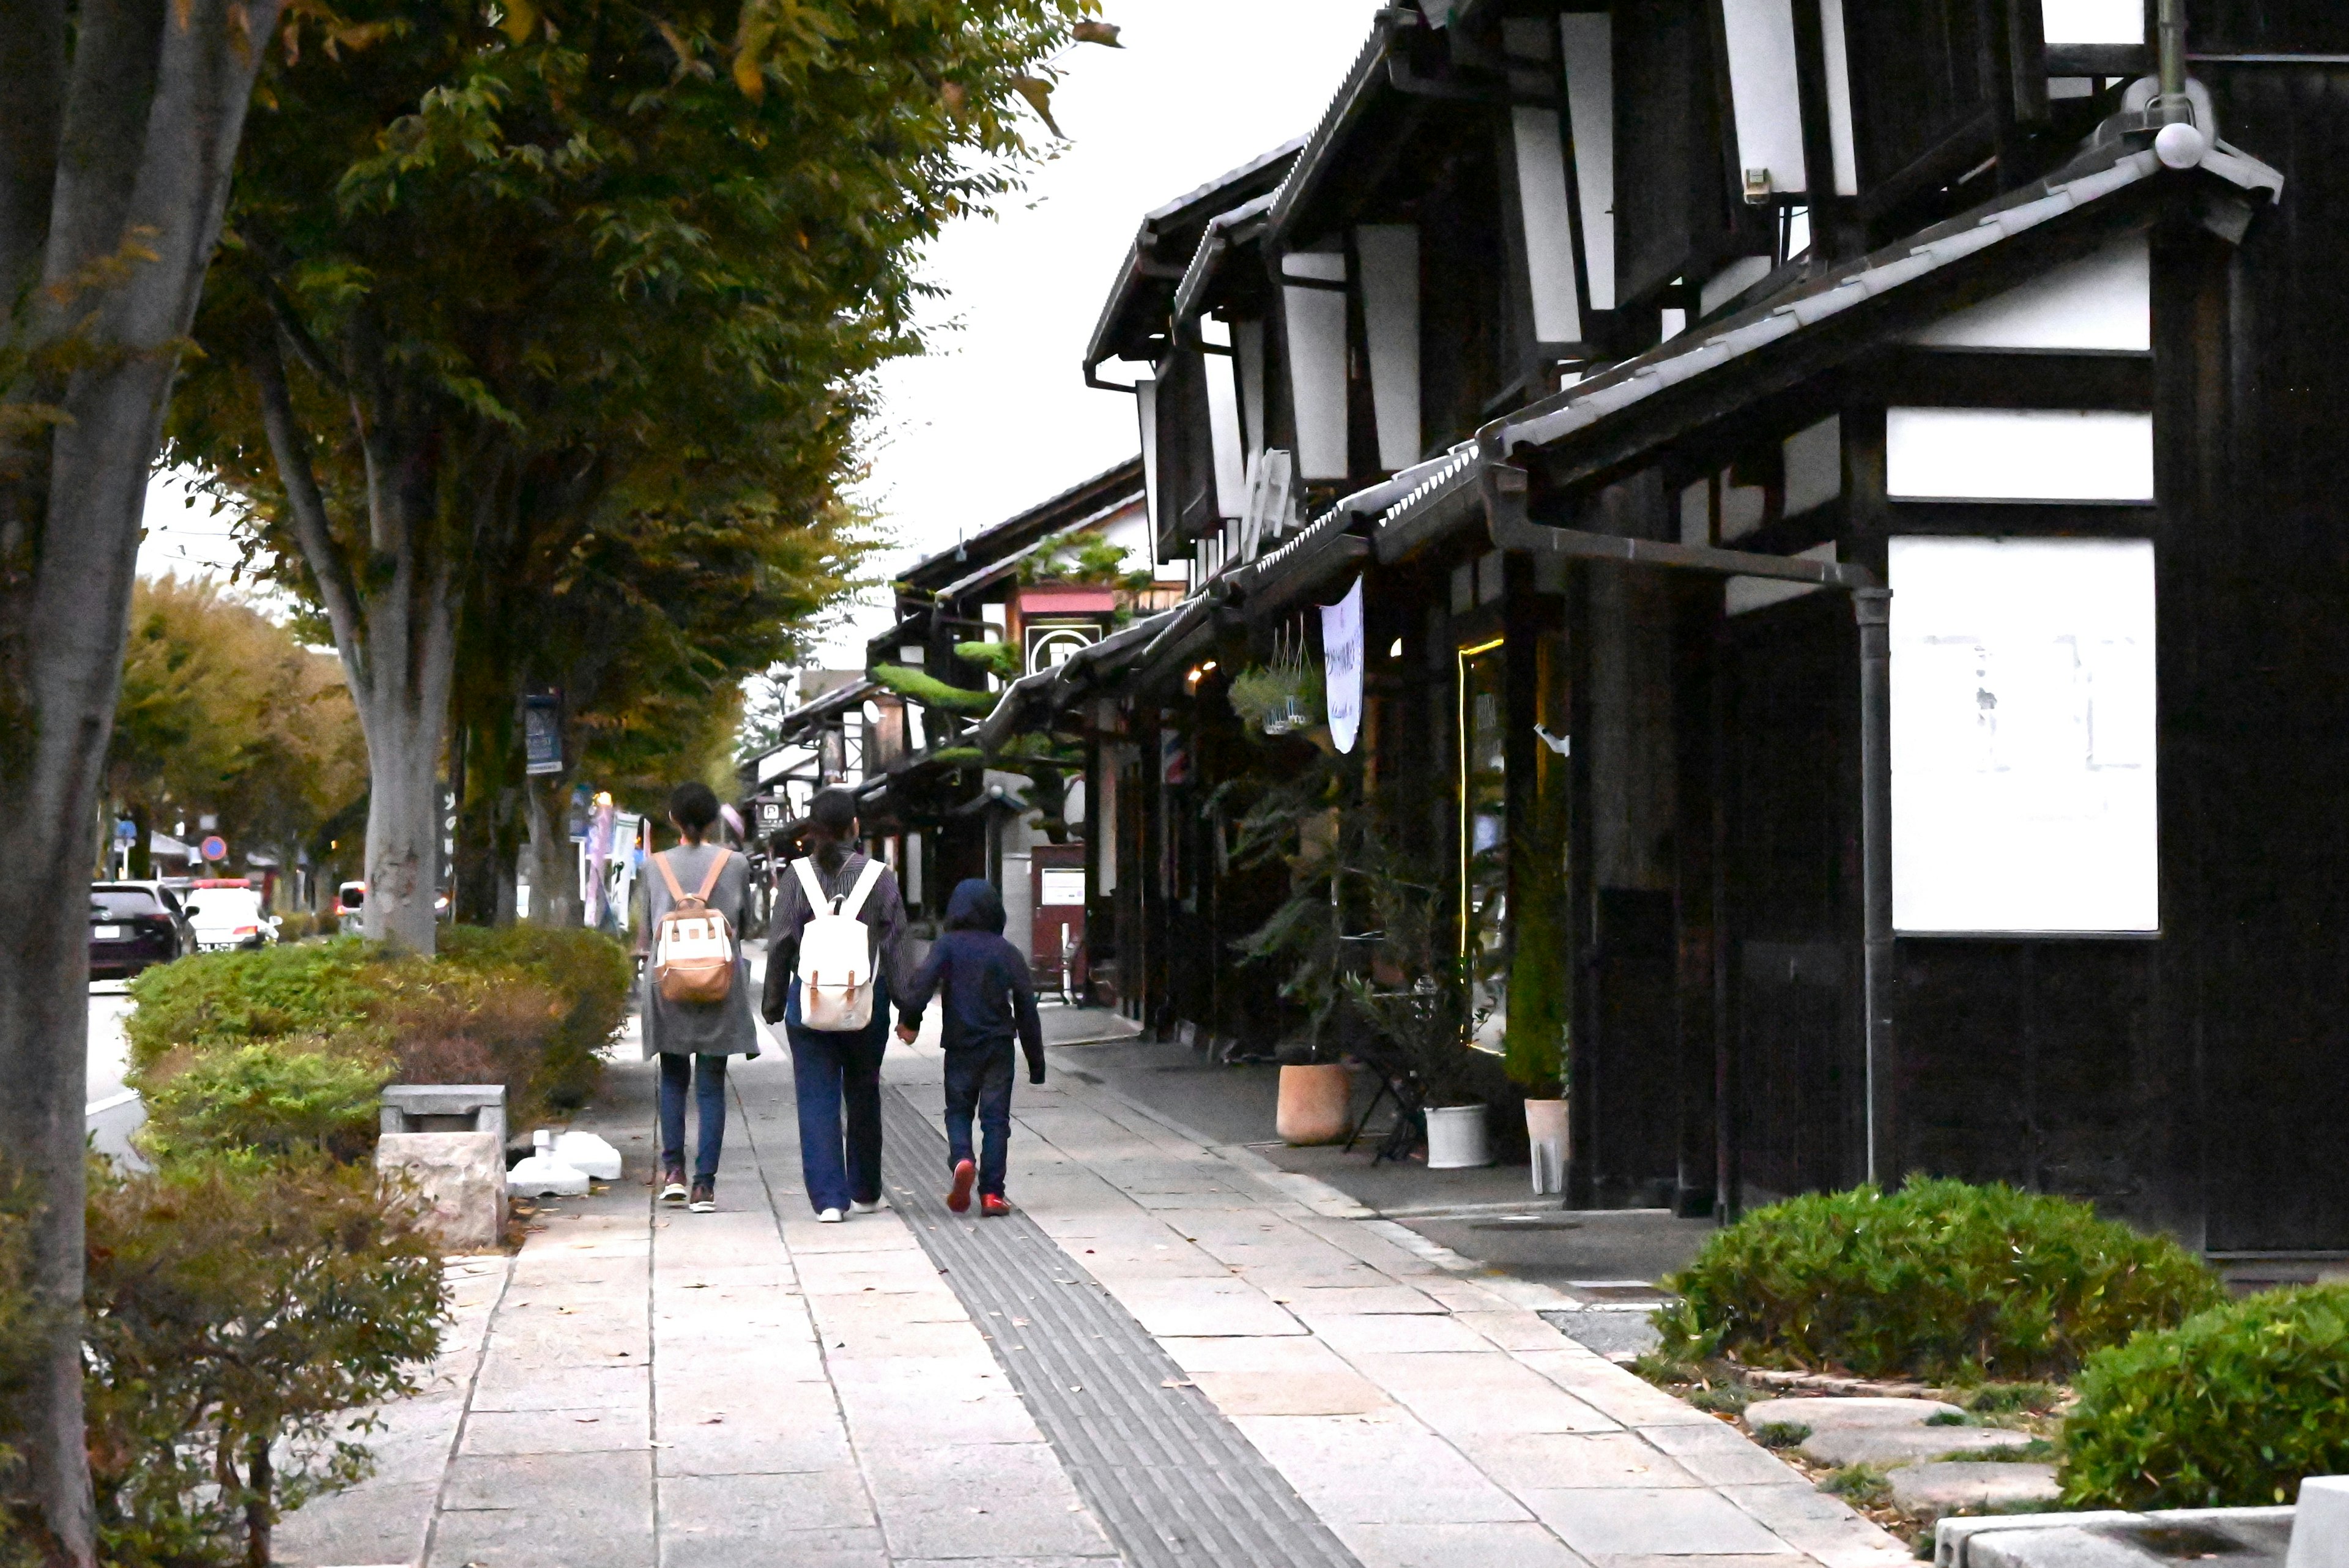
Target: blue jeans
point(980, 1080)
point(707, 1076)
point(837, 1079)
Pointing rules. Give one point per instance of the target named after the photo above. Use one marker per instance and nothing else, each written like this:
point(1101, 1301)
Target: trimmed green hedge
point(284, 1047)
point(2228, 1409)
point(1939, 1280)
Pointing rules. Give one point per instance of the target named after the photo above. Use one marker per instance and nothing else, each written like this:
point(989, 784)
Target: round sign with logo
point(214, 847)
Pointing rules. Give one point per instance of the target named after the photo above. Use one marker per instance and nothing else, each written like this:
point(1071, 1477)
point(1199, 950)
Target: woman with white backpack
point(697, 992)
point(836, 957)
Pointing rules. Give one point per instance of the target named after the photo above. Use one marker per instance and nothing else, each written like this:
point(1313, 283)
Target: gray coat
point(694, 1028)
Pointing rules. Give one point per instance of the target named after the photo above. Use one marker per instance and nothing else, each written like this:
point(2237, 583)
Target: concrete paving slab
point(1204, 1308)
point(507, 1432)
point(1352, 1335)
point(1721, 1455)
point(515, 1385)
point(1295, 1353)
point(1291, 1393)
point(1809, 1520)
point(379, 1522)
point(1528, 1462)
point(1378, 1469)
point(556, 1511)
point(1461, 1546)
point(981, 1501)
point(736, 1504)
point(1680, 1521)
point(1480, 1394)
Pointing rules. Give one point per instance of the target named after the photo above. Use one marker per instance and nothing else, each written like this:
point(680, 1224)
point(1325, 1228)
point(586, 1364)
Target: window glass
point(122, 903)
point(2024, 778)
point(1484, 836)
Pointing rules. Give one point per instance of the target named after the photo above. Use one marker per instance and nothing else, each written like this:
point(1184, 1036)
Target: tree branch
point(306, 509)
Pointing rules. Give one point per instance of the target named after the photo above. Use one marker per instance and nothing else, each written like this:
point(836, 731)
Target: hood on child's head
point(975, 907)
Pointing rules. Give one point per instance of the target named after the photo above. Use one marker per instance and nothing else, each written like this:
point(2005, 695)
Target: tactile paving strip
point(1169, 1477)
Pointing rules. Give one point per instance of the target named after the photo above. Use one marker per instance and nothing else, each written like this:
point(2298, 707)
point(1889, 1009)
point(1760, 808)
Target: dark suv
point(135, 925)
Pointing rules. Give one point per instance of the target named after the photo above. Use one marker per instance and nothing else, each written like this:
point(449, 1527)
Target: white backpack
point(835, 955)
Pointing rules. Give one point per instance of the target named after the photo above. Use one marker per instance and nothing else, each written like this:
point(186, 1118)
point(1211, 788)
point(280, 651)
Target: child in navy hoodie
point(988, 997)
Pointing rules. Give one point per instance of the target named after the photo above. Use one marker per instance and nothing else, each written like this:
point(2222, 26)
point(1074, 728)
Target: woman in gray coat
point(693, 1039)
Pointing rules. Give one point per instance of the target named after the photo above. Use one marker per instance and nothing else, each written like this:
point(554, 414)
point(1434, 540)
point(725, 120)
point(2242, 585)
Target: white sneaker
point(829, 1217)
point(872, 1207)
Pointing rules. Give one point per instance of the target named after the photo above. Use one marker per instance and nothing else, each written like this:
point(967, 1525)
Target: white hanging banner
point(1342, 666)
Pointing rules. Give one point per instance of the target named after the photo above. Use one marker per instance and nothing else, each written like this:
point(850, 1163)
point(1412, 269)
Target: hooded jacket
point(981, 980)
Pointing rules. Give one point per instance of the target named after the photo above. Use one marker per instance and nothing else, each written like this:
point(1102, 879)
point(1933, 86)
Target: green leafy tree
point(121, 125)
point(498, 269)
point(223, 711)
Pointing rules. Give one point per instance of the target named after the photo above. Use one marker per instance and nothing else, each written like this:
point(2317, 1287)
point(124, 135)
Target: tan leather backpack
point(693, 945)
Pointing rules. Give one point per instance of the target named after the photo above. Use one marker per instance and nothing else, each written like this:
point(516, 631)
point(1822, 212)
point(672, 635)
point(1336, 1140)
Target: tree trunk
point(142, 846)
point(404, 720)
point(120, 139)
point(261, 1485)
point(552, 861)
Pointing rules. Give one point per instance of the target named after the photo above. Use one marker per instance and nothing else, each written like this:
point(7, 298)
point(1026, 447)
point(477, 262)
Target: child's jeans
point(978, 1078)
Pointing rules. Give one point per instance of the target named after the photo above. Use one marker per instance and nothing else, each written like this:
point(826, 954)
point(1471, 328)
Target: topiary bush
point(232, 997)
point(305, 1093)
point(1940, 1281)
point(529, 1008)
point(240, 1318)
point(2228, 1409)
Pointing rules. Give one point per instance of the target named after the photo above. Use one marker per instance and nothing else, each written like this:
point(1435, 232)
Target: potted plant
point(1282, 698)
point(1429, 1025)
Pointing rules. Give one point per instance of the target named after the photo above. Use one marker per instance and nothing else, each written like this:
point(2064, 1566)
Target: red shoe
point(992, 1206)
point(959, 1197)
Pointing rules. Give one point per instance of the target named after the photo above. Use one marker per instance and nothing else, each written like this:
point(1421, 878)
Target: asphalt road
point(114, 1111)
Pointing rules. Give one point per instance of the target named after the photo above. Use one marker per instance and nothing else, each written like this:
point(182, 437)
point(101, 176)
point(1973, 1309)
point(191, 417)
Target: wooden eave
point(1088, 500)
point(1132, 321)
point(1615, 419)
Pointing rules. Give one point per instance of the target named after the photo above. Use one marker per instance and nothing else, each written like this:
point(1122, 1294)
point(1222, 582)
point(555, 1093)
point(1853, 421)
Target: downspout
point(1512, 529)
point(2172, 107)
point(1872, 608)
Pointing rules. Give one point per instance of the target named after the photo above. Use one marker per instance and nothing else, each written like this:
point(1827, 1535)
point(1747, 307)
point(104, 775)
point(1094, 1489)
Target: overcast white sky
point(999, 416)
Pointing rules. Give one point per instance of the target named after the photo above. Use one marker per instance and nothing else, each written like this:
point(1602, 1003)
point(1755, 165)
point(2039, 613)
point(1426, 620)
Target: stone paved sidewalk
point(644, 1388)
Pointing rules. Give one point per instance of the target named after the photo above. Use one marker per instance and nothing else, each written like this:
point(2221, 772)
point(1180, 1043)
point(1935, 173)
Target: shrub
point(2228, 1409)
point(21, 1318)
point(275, 1097)
point(237, 1315)
point(222, 999)
point(527, 1008)
point(1939, 1280)
point(588, 972)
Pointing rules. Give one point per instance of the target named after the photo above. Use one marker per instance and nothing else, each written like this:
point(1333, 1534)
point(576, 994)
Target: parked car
point(227, 914)
point(135, 925)
point(350, 908)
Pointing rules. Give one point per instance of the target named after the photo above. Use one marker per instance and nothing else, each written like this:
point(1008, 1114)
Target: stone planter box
point(458, 1177)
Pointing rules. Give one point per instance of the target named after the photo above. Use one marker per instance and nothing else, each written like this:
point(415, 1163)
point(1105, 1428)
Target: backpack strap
point(676, 893)
point(710, 883)
point(863, 889)
point(804, 869)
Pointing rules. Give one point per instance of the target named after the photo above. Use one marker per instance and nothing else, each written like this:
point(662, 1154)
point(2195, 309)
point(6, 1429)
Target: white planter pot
point(1546, 1131)
point(1456, 1137)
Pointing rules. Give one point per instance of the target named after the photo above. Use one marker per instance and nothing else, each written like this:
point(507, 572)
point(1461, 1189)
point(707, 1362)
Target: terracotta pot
point(1457, 1138)
point(1545, 1130)
point(1317, 1103)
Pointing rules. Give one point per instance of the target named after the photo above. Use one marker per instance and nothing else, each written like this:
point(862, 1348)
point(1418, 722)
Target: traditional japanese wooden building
point(1844, 498)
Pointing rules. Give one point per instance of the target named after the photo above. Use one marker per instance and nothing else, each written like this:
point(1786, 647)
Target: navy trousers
point(979, 1081)
point(706, 1078)
point(837, 1080)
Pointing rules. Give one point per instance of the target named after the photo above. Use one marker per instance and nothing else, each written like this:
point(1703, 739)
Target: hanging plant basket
point(1283, 696)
